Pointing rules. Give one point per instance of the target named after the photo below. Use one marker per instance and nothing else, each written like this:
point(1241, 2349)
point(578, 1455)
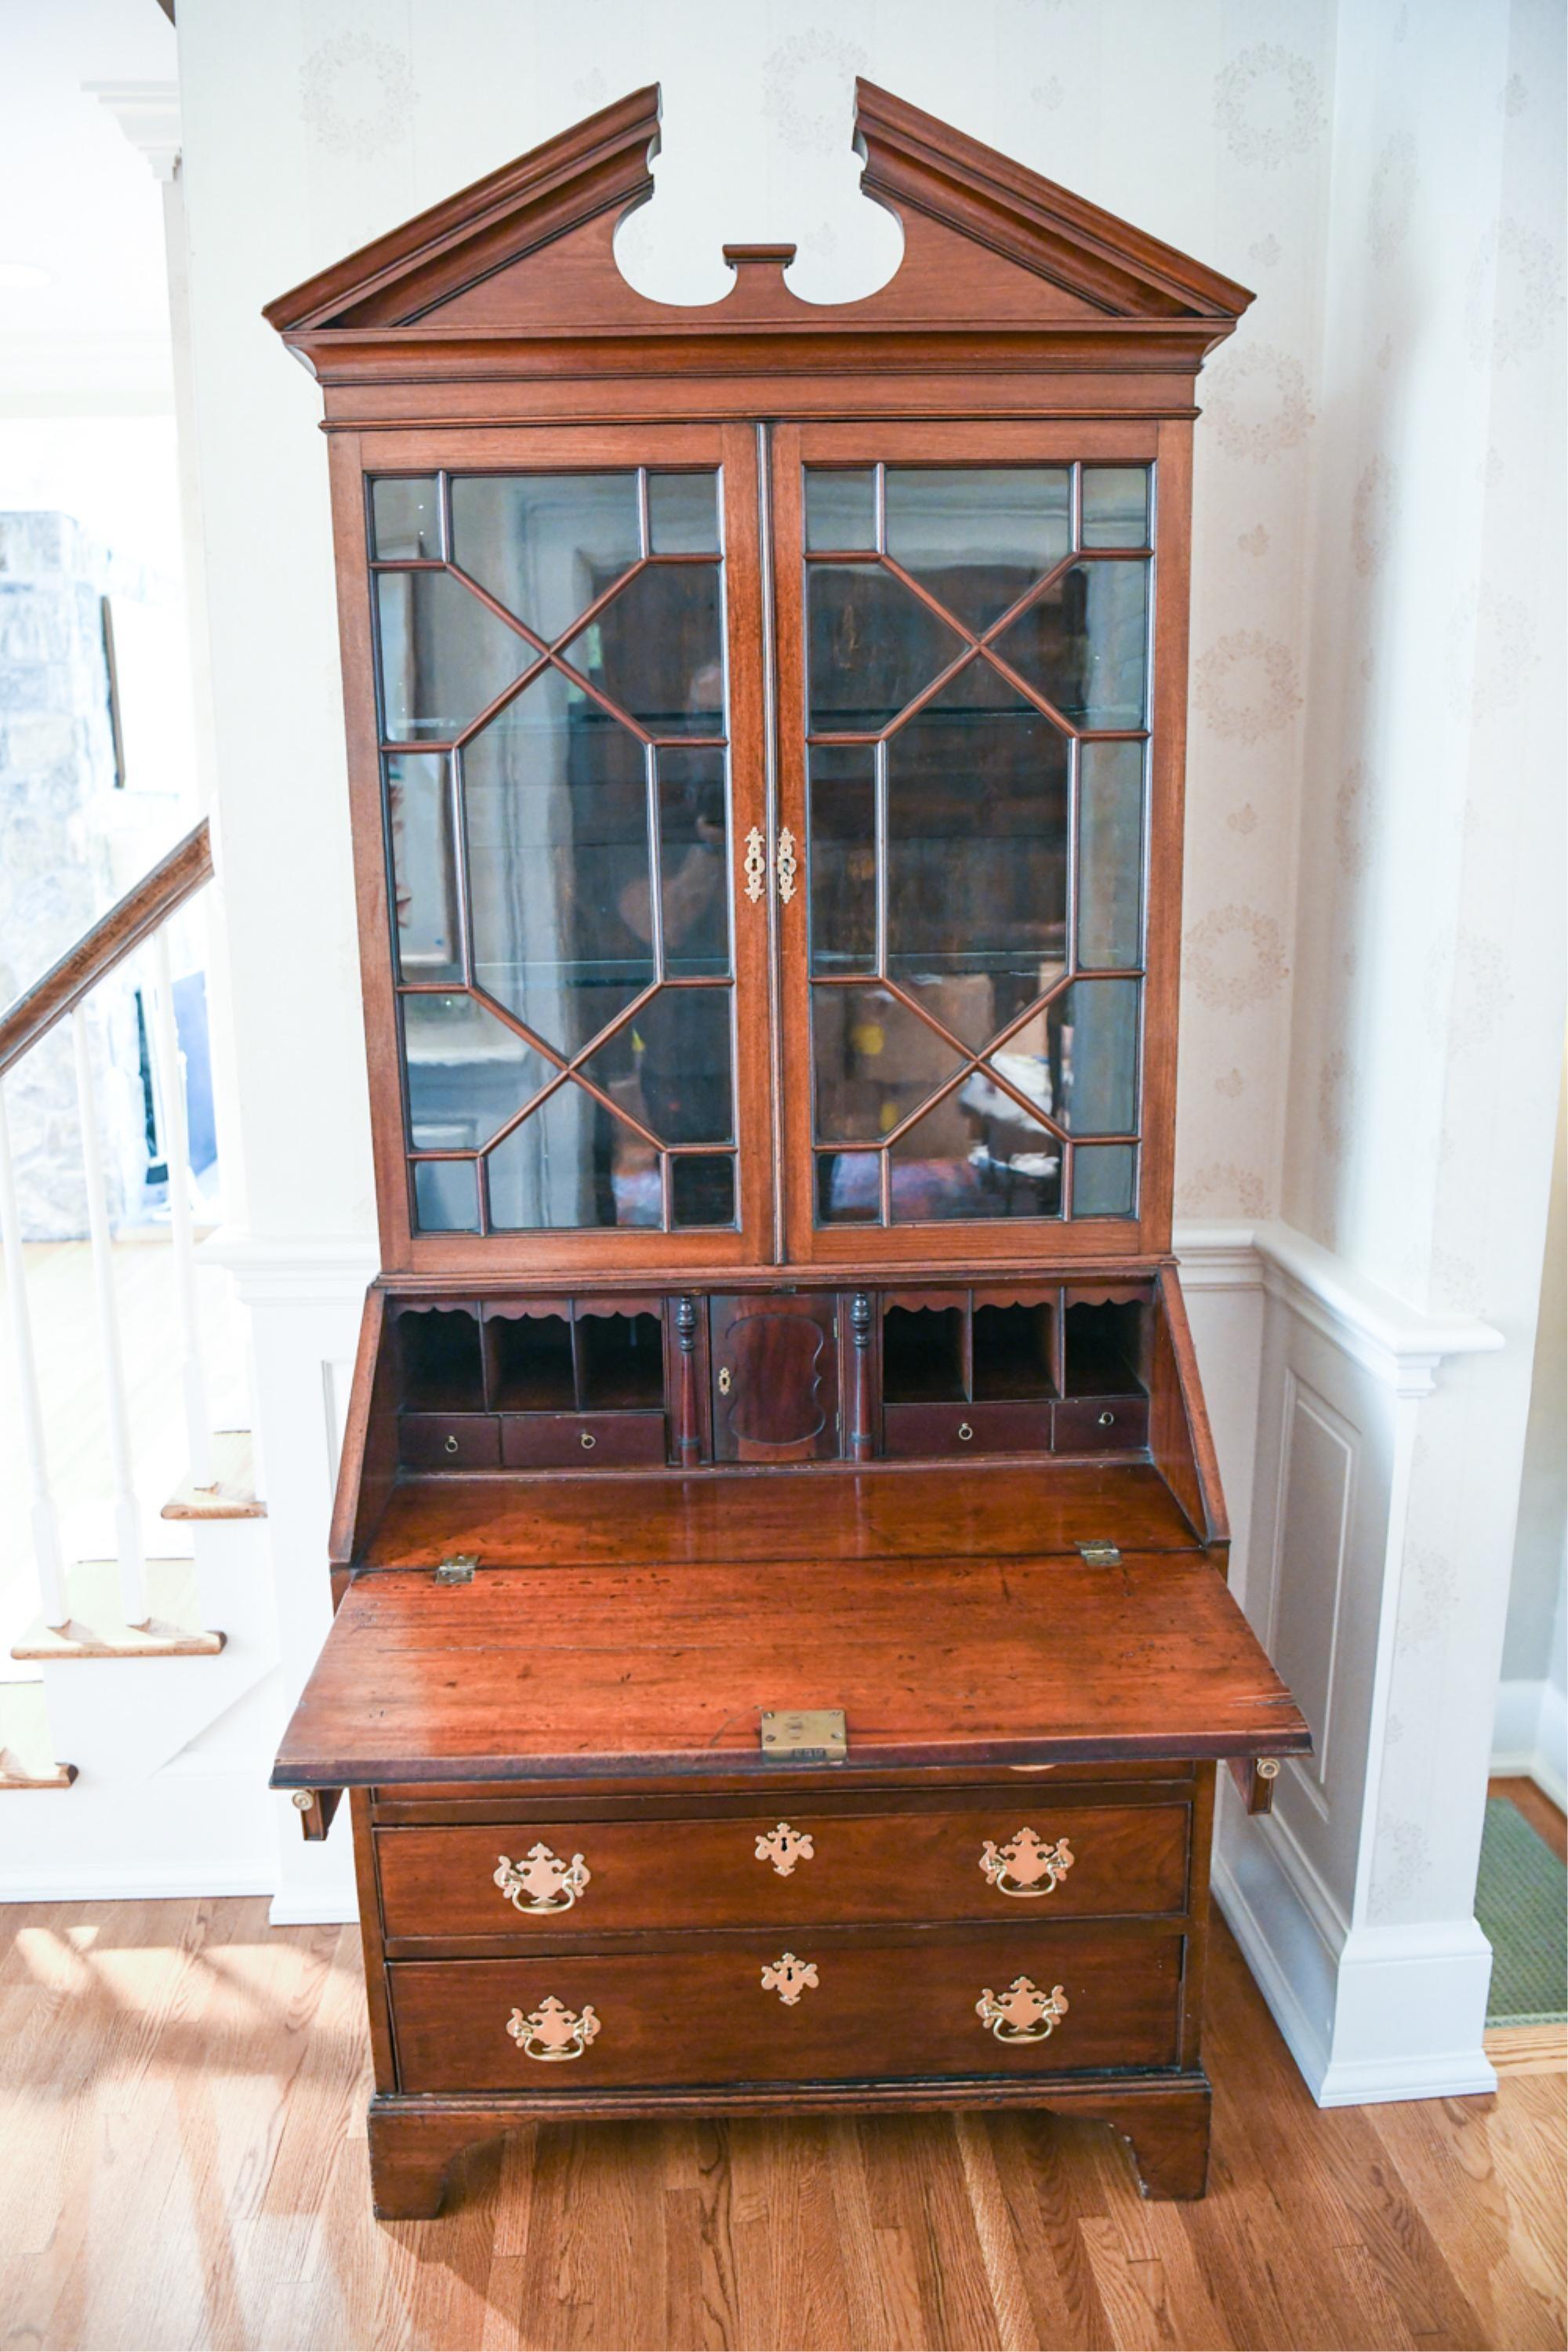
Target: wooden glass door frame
point(1167, 445)
point(733, 449)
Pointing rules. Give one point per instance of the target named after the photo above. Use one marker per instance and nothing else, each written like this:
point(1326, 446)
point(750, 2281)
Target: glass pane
point(573, 1163)
point(419, 825)
point(975, 1154)
point(1104, 1180)
point(849, 1188)
point(1099, 1056)
point(683, 514)
point(1029, 1059)
point(874, 1060)
point(843, 881)
point(444, 656)
point(702, 1189)
point(978, 536)
point(693, 866)
point(873, 645)
point(977, 842)
point(446, 1196)
point(405, 515)
point(559, 867)
point(1110, 855)
point(1116, 505)
point(840, 511)
point(670, 1067)
point(1083, 644)
point(545, 544)
point(467, 1072)
point(656, 650)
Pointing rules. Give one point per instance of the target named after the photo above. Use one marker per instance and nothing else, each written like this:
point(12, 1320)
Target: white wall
point(1371, 1005)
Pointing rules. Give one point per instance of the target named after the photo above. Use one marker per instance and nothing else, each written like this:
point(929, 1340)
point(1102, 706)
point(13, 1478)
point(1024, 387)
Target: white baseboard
point(325, 1910)
point(99, 1882)
point(1529, 1736)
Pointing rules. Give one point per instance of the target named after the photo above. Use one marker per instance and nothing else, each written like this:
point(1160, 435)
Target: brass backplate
point(804, 1734)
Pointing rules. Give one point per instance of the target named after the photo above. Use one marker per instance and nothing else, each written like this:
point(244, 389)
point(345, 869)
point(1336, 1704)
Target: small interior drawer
point(582, 1441)
point(1102, 1424)
point(449, 1440)
point(911, 1429)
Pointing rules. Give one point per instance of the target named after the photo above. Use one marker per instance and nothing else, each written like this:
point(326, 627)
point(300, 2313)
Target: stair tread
point(97, 1628)
point(231, 1494)
point(27, 1751)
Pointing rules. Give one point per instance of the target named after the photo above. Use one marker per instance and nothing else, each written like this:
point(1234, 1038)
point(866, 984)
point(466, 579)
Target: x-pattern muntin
point(977, 645)
point(566, 1068)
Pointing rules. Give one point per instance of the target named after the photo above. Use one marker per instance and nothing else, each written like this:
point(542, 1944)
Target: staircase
point(137, 1704)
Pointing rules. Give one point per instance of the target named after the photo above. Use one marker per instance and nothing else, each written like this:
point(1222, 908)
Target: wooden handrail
point(136, 917)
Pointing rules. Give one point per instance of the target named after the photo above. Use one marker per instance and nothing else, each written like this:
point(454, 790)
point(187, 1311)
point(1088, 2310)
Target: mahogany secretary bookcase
point(782, 1651)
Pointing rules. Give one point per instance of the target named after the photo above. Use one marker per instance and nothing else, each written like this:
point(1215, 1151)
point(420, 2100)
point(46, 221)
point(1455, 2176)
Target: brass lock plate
point(459, 1569)
point(808, 1735)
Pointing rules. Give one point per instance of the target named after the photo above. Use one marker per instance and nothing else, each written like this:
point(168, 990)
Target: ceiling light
point(15, 275)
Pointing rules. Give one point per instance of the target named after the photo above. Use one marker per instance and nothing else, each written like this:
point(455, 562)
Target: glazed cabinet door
point(980, 694)
point(553, 644)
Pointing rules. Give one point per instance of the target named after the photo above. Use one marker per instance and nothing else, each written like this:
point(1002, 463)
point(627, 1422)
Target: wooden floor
point(183, 2163)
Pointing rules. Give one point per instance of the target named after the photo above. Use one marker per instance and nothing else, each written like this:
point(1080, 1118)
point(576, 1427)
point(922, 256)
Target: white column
point(127, 1519)
point(46, 1523)
point(171, 1065)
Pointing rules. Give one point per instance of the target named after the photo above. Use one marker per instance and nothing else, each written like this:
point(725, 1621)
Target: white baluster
point(177, 1159)
point(126, 1518)
point(46, 1522)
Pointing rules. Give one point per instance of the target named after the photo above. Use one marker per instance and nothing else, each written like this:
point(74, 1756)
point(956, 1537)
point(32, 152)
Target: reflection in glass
point(446, 1196)
point(1096, 1023)
point(842, 896)
point(656, 650)
point(873, 645)
point(443, 656)
point(467, 1072)
point(683, 514)
point(573, 1163)
point(669, 1067)
point(419, 825)
point(840, 511)
point(1110, 855)
point(978, 536)
point(874, 1061)
point(976, 1153)
point(977, 843)
point(545, 544)
point(693, 868)
point(406, 518)
point(1083, 644)
point(1116, 505)
point(559, 862)
point(849, 1188)
point(1104, 1180)
point(701, 1190)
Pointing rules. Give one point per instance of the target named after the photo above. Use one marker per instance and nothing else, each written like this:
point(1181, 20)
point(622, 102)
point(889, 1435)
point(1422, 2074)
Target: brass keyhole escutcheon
point(451, 1446)
point(1108, 1420)
point(726, 1379)
point(964, 1432)
point(589, 1441)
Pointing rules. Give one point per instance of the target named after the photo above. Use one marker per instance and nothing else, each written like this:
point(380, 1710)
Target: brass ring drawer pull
point(549, 1884)
point(451, 1446)
point(1108, 1420)
point(1025, 1866)
point(784, 1847)
point(588, 1440)
point(789, 1978)
point(964, 1432)
point(1023, 2013)
point(552, 2032)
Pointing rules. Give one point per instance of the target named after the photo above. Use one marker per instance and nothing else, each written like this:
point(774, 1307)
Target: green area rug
point(1521, 1902)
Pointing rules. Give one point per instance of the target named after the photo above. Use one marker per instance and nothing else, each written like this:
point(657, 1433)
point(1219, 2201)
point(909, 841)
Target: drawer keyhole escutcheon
point(552, 2032)
point(1025, 1866)
point(726, 1379)
point(549, 1884)
point(964, 1432)
point(789, 1978)
point(784, 1847)
point(1023, 2013)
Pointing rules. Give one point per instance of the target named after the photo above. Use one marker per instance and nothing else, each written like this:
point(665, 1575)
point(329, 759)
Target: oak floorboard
point(183, 2119)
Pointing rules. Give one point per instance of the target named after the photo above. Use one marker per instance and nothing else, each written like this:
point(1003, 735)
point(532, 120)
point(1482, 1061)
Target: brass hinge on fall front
point(807, 1735)
point(1102, 1555)
point(457, 1569)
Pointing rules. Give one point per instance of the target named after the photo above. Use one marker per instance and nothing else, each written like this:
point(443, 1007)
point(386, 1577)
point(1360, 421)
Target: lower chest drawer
point(762, 2010)
point(1005, 1860)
